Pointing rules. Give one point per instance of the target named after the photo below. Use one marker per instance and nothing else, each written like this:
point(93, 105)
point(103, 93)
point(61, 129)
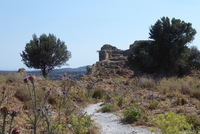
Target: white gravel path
point(109, 122)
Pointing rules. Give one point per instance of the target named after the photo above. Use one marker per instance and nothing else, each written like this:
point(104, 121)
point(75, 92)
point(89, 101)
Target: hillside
point(137, 100)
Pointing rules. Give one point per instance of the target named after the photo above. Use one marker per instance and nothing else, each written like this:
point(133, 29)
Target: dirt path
point(109, 123)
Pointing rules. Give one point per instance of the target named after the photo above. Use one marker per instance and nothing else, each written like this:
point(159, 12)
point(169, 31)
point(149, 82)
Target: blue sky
point(85, 25)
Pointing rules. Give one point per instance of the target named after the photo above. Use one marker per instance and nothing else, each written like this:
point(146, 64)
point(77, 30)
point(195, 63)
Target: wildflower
point(64, 92)
point(13, 113)
point(46, 108)
point(15, 131)
point(49, 91)
point(67, 79)
point(58, 94)
point(32, 78)
point(61, 78)
point(4, 110)
point(39, 109)
point(25, 80)
point(65, 74)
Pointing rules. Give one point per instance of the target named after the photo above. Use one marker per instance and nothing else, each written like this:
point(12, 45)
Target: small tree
point(167, 53)
point(170, 39)
point(45, 53)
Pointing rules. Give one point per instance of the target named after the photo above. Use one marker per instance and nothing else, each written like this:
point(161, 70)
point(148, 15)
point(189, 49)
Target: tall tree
point(170, 39)
point(45, 53)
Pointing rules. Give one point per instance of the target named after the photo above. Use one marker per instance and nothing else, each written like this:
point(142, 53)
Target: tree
point(170, 38)
point(194, 58)
point(167, 51)
point(142, 58)
point(45, 53)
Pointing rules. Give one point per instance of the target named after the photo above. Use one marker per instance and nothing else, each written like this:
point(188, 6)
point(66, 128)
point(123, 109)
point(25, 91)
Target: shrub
point(107, 108)
point(171, 123)
point(132, 114)
point(191, 119)
point(181, 101)
point(98, 94)
point(144, 82)
point(153, 104)
point(120, 102)
point(58, 128)
point(80, 125)
point(169, 84)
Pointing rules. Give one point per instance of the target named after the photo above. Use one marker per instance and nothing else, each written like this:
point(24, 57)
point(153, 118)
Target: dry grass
point(145, 82)
point(187, 85)
point(14, 78)
point(179, 95)
point(22, 94)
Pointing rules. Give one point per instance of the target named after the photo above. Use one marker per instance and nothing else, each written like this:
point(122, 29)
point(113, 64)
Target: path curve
point(109, 122)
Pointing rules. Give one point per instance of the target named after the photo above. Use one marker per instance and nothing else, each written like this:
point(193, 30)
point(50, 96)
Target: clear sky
point(85, 25)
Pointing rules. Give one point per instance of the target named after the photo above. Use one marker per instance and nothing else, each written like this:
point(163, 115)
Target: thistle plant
point(5, 112)
point(15, 131)
point(66, 83)
point(61, 102)
point(13, 114)
point(2, 96)
point(45, 110)
point(41, 112)
point(32, 92)
point(46, 115)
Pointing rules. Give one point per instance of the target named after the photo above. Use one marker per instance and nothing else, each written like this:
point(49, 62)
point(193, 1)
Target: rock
point(22, 71)
point(89, 70)
point(151, 97)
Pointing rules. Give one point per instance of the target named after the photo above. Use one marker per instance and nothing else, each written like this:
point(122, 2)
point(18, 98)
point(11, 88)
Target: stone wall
point(108, 51)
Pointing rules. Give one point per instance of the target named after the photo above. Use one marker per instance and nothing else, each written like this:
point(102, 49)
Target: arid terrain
point(117, 88)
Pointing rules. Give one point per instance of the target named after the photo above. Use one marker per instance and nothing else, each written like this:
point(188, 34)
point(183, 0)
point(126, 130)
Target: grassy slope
point(179, 95)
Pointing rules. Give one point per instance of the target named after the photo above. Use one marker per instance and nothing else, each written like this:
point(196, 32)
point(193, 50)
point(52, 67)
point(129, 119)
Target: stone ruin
point(112, 59)
point(108, 51)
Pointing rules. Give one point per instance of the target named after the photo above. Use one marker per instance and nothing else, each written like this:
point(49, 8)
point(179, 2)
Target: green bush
point(171, 123)
point(191, 119)
point(181, 101)
point(80, 125)
point(98, 94)
point(132, 114)
point(120, 102)
point(107, 108)
point(58, 128)
point(153, 104)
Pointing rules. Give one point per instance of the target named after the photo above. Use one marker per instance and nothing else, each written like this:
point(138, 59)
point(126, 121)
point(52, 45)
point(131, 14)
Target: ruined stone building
point(108, 51)
point(111, 58)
